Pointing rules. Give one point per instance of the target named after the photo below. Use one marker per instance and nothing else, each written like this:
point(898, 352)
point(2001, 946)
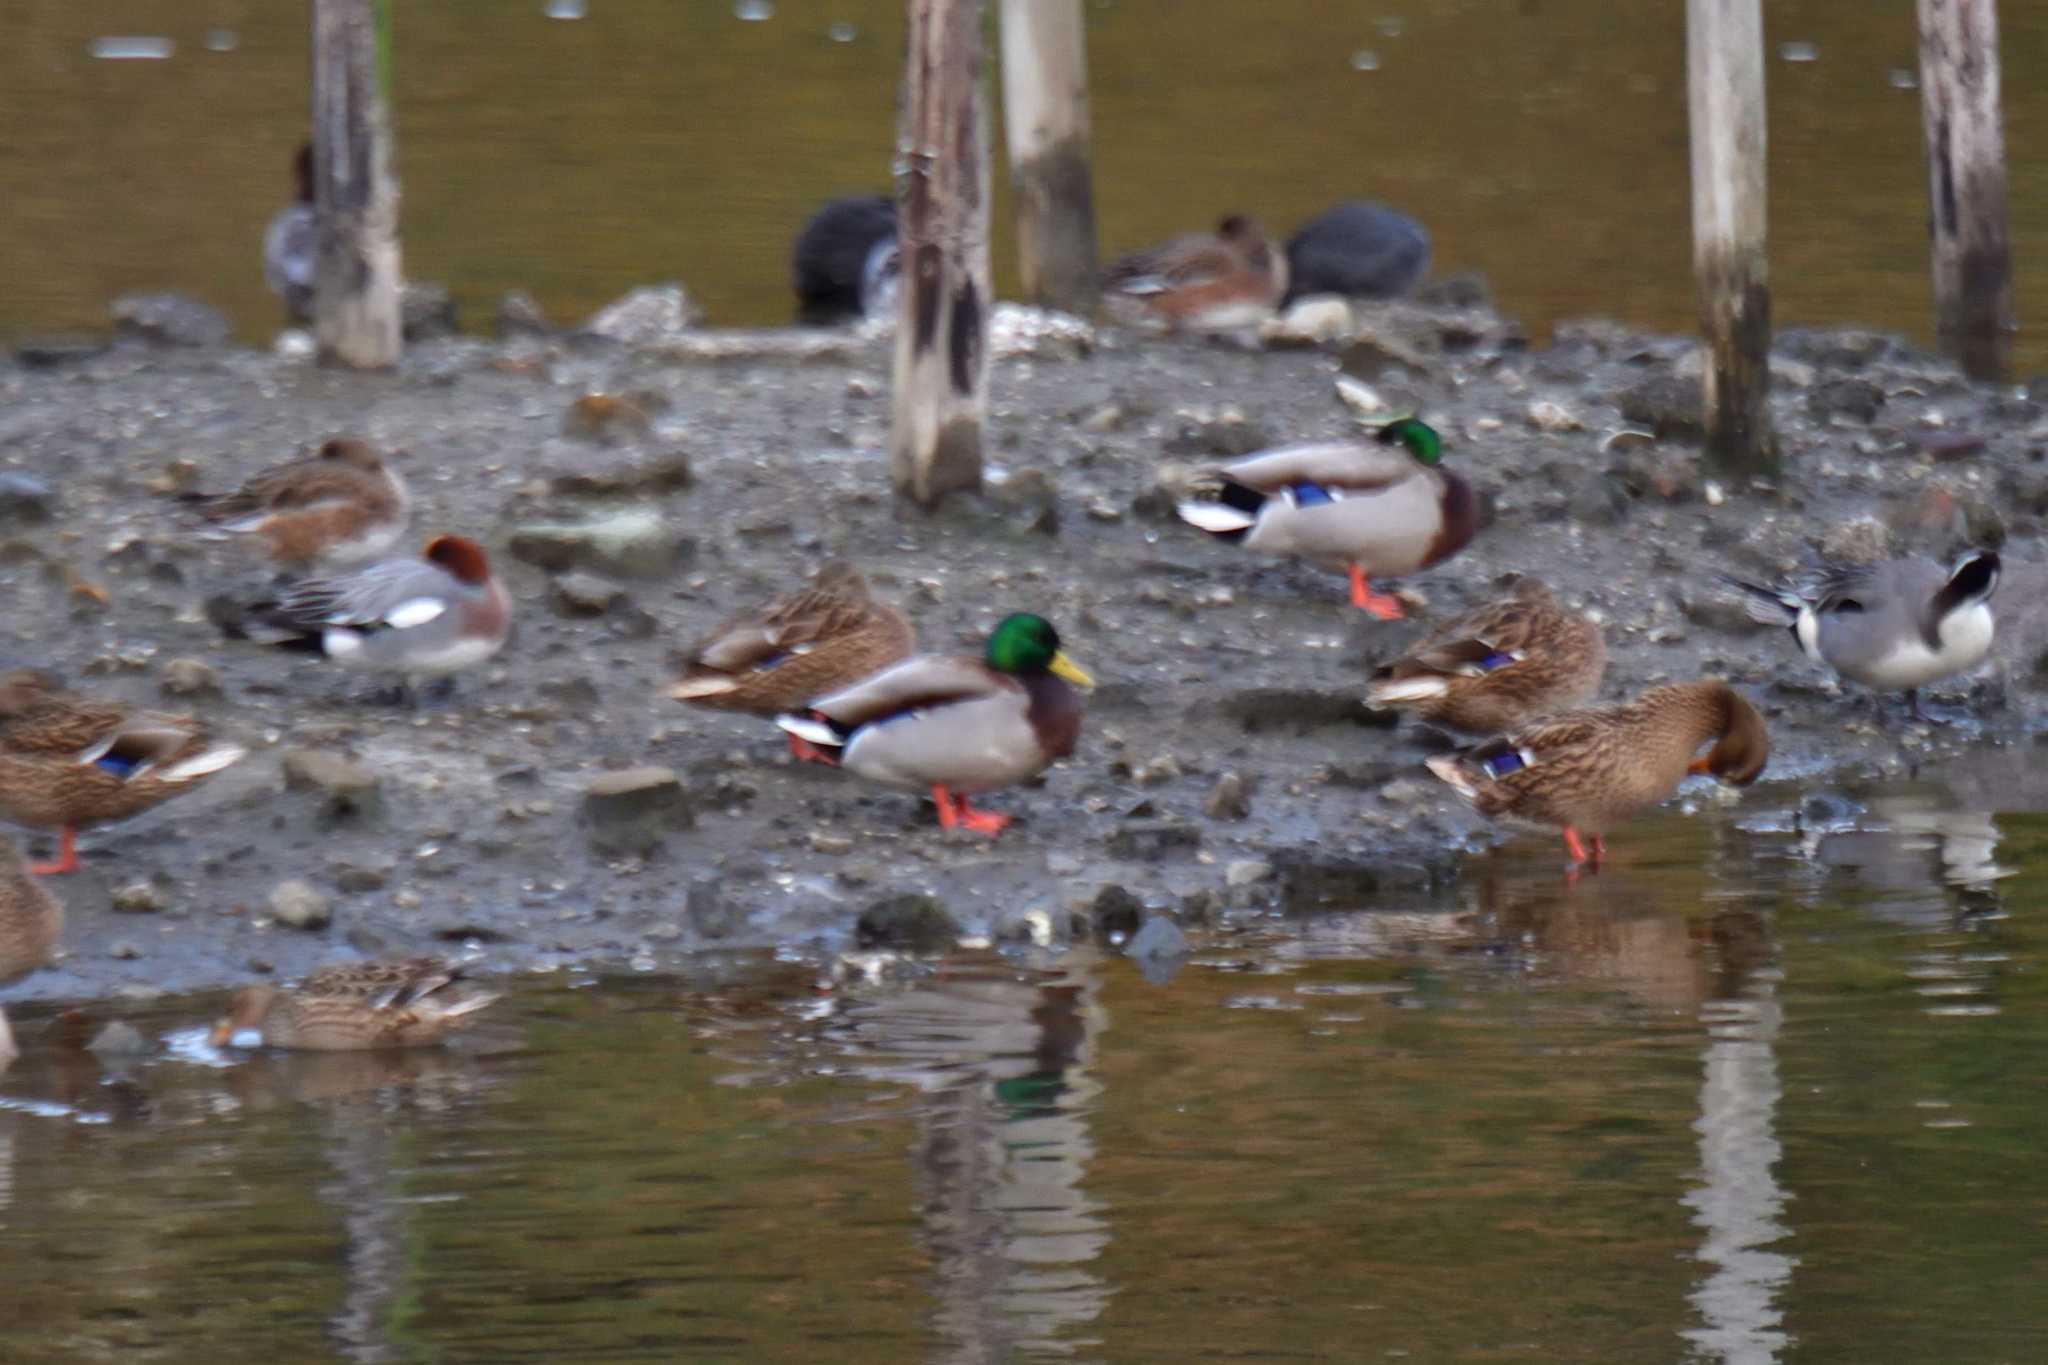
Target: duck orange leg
point(67, 855)
point(1575, 848)
point(803, 751)
point(957, 811)
point(1383, 605)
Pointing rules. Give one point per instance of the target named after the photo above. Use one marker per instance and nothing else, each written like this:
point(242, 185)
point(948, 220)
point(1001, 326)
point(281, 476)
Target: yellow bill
point(1071, 671)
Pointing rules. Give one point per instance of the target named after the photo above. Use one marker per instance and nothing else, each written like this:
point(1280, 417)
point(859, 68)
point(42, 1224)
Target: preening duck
point(355, 1005)
point(1232, 277)
point(1497, 666)
point(343, 505)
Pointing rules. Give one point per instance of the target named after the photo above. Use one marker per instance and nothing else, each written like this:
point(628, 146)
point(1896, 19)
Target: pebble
point(123, 950)
point(1247, 872)
point(583, 594)
point(1227, 800)
point(138, 898)
point(350, 788)
point(300, 904)
point(914, 921)
point(189, 678)
point(633, 811)
point(646, 317)
point(830, 843)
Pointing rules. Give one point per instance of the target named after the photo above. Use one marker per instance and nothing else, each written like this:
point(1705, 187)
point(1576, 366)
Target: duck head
point(1023, 643)
point(247, 1009)
point(1742, 747)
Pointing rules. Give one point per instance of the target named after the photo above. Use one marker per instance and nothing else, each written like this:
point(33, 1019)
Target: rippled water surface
point(1769, 1087)
point(1543, 142)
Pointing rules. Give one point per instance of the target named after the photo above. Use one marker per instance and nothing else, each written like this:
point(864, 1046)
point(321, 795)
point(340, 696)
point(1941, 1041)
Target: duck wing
point(918, 683)
point(397, 594)
point(1351, 466)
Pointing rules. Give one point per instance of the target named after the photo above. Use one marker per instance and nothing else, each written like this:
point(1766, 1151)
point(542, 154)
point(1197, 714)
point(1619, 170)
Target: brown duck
point(1230, 278)
point(30, 920)
point(67, 761)
point(1497, 666)
point(341, 506)
point(355, 1005)
point(1586, 771)
point(800, 646)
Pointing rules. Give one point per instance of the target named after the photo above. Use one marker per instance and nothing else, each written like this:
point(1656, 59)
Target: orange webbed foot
point(803, 751)
point(956, 812)
point(1385, 606)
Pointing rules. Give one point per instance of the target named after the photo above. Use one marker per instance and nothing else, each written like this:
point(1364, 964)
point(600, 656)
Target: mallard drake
point(1204, 281)
point(1497, 666)
point(1360, 249)
point(291, 243)
point(1896, 625)
point(1368, 508)
point(30, 920)
point(844, 262)
point(67, 761)
point(355, 1005)
point(1586, 771)
point(430, 617)
point(821, 638)
point(956, 725)
point(343, 505)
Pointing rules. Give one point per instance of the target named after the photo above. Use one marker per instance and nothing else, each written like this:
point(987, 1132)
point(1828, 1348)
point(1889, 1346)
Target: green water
point(1543, 142)
point(1762, 1090)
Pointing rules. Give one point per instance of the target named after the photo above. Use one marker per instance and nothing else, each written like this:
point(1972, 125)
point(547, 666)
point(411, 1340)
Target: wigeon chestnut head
point(344, 505)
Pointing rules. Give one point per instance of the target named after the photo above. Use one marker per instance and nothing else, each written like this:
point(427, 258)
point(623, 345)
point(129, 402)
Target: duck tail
point(1228, 512)
point(1451, 769)
point(1771, 606)
point(814, 728)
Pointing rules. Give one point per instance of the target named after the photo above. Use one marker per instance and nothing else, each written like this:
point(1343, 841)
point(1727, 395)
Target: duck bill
point(1071, 671)
point(1700, 764)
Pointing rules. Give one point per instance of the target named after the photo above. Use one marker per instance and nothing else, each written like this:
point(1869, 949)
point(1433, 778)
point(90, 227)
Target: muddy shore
point(734, 463)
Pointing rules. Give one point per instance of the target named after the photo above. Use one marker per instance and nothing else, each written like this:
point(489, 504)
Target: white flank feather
point(1215, 517)
point(1404, 689)
point(417, 612)
point(337, 643)
point(812, 729)
point(1447, 767)
point(204, 762)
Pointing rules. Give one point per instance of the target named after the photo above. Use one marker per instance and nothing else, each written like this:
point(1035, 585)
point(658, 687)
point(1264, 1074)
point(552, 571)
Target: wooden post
point(1045, 119)
point(941, 397)
point(1959, 110)
point(1724, 42)
point(355, 197)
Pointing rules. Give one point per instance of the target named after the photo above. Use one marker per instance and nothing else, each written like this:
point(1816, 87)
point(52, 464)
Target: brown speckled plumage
point(1591, 769)
point(30, 920)
point(1558, 658)
point(341, 505)
point(800, 646)
point(356, 1005)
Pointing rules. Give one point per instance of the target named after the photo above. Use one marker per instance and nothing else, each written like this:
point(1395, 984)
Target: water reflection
point(1914, 845)
point(1002, 1059)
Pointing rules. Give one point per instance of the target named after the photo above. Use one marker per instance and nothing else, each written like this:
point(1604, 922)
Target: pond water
point(1543, 142)
point(1769, 1087)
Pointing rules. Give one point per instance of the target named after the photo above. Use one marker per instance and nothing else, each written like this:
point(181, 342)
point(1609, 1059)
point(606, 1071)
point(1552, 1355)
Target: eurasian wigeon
point(1204, 281)
point(342, 506)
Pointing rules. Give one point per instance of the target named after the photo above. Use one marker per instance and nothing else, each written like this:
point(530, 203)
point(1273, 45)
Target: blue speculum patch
point(1308, 494)
point(117, 765)
point(1501, 764)
point(1496, 659)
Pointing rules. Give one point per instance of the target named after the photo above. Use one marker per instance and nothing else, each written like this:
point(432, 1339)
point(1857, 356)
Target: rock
point(25, 500)
point(1379, 354)
point(360, 876)
point(647, 316)
point(426, 311)
point(583, 594)
point(1839, 348)
point(118, 1039)
point(1717, 609)
point(1846, 396)
point(1163, 768)
point(349, 788)
point(1308, 887)
point(1859, 540)
point(300, 904)
point(914, 922)
point(138, 898)
point(822, 842)
point(169, 319)
point(633, 812)
point(1152, 840)
point(710, 911)
point(1116, 913)
point(1159, 948)
point(520, 315)
point(1227, 800)
point(124, 950)
point(643, 476)
point(605, 417)
point(1545, 415)
point(189, 678)
point(1314, 321)
point(49, 352)
point(1224, 436)
point(1672, 405)
point(1247, 872)
point(1645, 471)
point(634, 541)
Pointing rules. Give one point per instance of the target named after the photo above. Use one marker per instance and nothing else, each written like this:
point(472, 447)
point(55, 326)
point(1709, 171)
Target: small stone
point(1407, 791)
point(358, 876)
point(1107, 418)
point(639, 475)
point(605, 416)
point(520, 315)
point(119, 1038)
point(634, 542)
point(1247, 872)
point(349, 788)
point(299, 904)
point(1545, 415)
point(646, 317)
point(633, 812)
point(914, 922)
point(1158, 943)
point(169, 319)
point(138, 898)
point(123, 950)
point(1224, 436)
point(25, 499)
point(710, 911)
point(1858, 540)
point(1672, 405)
point(830, 843)
point(1164, 768)
point(1152, 840)
point(1227, 800)
point(583, 594)
point(426, 311)
point(189, 678)
point(1116, 913)
point(1313, 321)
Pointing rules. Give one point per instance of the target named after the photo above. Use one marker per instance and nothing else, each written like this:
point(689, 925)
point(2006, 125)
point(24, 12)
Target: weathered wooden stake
point(941, 397)
point(1959, 109)
point(1045, 119)
point(355, 197)
point(1724, 42)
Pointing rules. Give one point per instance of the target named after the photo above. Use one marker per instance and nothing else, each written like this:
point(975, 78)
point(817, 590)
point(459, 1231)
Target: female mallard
point(1587, 770)
point(1351, 505)
point(954, 724)
point(30, 920)
point(354, 1005)
point(67, 761)
point(1204, 281)
point(1896, 625)
point(1498, 666)
point(804, 644)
